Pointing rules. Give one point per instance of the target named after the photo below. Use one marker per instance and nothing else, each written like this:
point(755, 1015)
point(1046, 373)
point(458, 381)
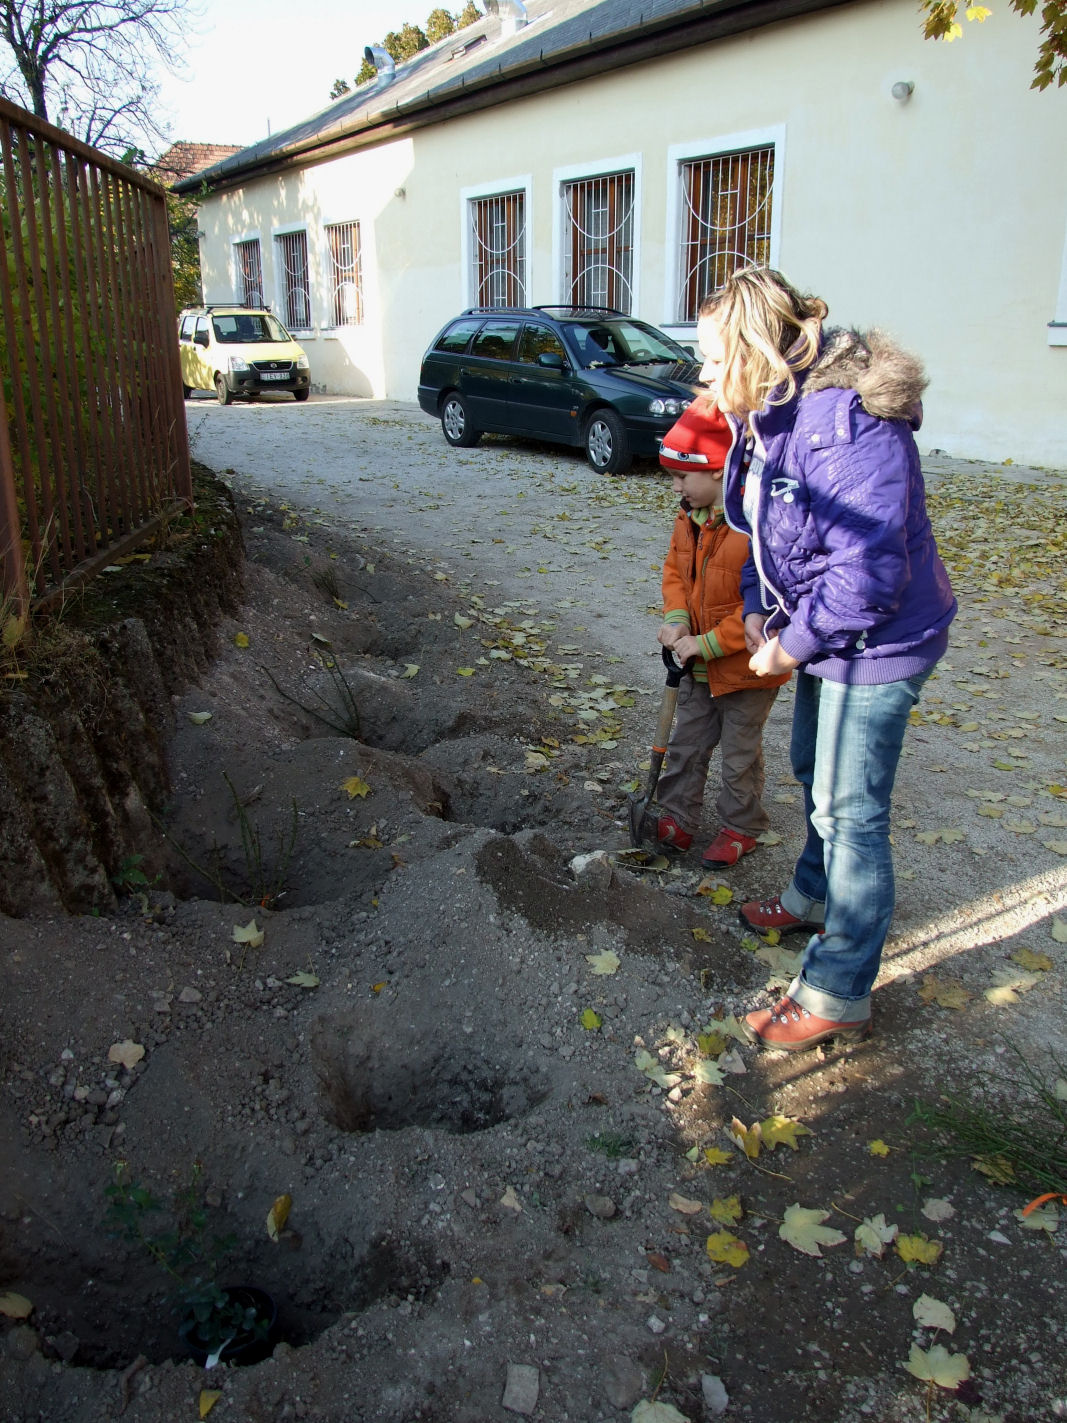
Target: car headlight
point(237, 363)
point(667, 407)
point(302, 363)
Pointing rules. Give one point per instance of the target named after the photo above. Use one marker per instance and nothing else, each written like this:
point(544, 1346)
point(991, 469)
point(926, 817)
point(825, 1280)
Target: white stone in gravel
point(190, 995)
point(655, 1324)
point(522, 1387)
point(603, 1207)
point(716, 1399)
point(998, 1238)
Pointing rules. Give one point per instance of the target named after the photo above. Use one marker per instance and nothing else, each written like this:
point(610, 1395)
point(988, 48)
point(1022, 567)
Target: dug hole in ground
point(496, 1071)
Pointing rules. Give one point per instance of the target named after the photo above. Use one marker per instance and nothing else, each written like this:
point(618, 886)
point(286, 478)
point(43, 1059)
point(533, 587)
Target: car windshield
point(623, 343)
point(243, 328)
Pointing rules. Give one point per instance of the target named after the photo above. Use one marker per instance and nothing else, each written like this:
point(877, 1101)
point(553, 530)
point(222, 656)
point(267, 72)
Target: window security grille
point(598, 241)
point(249, 272)
point(498, 250)
point(292, 252)
point(346, 274)
point(726, 222)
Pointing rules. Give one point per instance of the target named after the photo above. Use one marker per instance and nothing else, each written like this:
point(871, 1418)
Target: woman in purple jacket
point(847, 587)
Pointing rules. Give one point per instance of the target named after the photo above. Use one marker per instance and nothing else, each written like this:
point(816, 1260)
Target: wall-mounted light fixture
point(902, 90)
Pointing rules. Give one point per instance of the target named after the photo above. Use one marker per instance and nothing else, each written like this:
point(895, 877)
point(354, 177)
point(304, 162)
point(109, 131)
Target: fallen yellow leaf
point(726, 1209)
point(726, 1249)
point(356, 786)
point(208, 1398)
point(878, 1148)
point(278, 1215)
point(240, 639)
point(250, 934)
point(918, 1249)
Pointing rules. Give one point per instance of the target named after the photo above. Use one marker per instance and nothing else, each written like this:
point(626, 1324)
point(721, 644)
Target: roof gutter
point(712, 20)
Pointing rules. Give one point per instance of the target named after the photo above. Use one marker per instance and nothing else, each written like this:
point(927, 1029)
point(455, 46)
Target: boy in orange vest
point(723, 703)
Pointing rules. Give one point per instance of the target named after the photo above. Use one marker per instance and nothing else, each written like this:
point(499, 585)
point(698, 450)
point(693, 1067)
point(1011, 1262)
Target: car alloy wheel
point(607, 445)
point(455, 423)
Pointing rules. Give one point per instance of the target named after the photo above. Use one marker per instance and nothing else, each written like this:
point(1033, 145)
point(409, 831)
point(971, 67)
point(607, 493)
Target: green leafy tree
point(943, 23)
point(406, 42)
point(182, 220)
point(87, 65)
point(439, 25)
point(339, 87)
point(468, 15)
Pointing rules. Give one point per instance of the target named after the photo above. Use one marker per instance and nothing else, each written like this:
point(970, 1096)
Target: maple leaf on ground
point(1043, 1218)
point(802, 1228)
point(747, 1138)
point(715, 1156)
point(726, 1209)
point(1031, 961)
point(775, 1131)
point(874, 1235)
point(933, 1314)
point(726, 1249)
point(918, 1249)
point(603, 964)
point(878, 1147)
point(937, 1365)
point(945, 992)
point(995, 1168)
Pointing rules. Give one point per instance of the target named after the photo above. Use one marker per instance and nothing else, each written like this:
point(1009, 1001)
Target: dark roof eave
point(714, 19)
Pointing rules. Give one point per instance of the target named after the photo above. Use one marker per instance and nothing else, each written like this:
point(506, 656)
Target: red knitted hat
point(699, 439)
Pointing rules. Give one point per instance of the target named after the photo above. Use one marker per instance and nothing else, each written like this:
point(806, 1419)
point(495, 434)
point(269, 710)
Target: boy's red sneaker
point(670, 835)
point(791, 1028)
point(726, 849)
point(769, 914)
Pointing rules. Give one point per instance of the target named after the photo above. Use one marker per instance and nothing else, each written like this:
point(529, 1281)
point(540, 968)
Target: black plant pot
point(246, 1347)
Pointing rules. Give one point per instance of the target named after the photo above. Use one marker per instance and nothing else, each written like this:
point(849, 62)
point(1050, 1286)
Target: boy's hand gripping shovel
point(639, 804)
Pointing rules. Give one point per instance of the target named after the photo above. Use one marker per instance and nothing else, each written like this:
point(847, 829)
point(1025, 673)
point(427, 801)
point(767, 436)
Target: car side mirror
point(201, 338)
point(552, 360)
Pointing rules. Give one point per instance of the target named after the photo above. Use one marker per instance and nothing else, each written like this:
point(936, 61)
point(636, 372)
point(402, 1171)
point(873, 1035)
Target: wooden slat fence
point(93, 443)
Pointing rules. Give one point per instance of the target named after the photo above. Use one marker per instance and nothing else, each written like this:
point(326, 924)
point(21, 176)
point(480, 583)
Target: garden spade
point(639, 804)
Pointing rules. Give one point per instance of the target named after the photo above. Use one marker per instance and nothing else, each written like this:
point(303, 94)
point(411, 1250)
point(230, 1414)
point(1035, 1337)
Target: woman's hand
point(772, 659)
point(754, 638)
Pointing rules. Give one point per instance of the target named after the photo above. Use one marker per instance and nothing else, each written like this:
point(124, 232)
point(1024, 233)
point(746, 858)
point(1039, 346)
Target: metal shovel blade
point(639, 804)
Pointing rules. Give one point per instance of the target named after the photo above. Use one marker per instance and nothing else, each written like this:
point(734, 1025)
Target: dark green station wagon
point(593, 378)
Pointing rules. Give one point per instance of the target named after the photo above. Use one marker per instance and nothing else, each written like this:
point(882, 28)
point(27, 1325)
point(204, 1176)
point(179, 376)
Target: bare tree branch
point(88, 65)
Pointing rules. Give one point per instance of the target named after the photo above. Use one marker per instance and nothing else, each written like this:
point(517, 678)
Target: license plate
point(274, 375)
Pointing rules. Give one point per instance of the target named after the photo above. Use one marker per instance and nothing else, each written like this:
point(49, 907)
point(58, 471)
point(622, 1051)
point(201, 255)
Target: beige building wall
point(942, 217)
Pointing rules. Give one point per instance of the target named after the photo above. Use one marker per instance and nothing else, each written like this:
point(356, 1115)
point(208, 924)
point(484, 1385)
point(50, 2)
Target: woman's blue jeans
point(845, 748)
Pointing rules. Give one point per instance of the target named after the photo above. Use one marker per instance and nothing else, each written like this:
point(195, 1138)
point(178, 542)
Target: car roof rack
point(232, 305)
point(596, 311)
point(495, 310)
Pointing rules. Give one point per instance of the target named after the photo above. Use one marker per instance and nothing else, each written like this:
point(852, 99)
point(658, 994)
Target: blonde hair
point(770, 332)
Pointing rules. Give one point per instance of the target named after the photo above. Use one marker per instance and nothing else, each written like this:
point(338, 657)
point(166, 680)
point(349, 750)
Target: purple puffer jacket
point(843, 555)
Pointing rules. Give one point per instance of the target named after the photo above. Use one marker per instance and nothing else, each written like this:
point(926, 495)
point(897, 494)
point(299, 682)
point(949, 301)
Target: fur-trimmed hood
point(889, 381)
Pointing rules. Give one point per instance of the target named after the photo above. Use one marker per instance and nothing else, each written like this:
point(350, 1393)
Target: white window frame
point(279, 306)
point(236, 271)
point(716, 147)
point(497, 188)
point(1057, 327)
point(580, 172)
point(326, 324)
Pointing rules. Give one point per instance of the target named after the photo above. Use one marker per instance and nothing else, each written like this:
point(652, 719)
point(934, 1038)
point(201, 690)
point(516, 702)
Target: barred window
point(291, 250)
point(498, 249)
point(346, 274)
point(726, 222)
point(598, 242)
point(249, 272)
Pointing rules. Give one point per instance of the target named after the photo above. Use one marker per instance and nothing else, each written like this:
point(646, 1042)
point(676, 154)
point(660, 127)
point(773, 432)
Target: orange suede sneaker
point(726, 849)
point(769, 914)
point(791, 1028)
point(670, 835)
